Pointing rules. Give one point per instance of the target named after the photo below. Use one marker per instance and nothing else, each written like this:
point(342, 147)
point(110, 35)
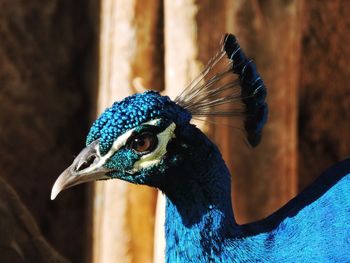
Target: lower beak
point(75, 175)
point(68, 179)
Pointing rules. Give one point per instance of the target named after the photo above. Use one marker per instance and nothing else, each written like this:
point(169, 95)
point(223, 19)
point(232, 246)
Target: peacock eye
point(144, 142)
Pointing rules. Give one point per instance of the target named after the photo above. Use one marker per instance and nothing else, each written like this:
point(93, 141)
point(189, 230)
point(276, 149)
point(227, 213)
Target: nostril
point(87, 163)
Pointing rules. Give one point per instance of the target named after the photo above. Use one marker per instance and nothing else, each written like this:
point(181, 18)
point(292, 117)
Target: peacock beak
point(86, 167)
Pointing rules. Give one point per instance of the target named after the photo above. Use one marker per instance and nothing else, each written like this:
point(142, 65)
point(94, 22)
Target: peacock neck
point(199, 214)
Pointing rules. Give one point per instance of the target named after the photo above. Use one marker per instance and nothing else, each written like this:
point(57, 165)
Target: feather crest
point(229, 86)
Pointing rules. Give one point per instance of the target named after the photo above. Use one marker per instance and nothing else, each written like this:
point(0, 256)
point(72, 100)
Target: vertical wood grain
point(265, 178)
point(130, 39)
point(181, 51)
point(270, 34)
point(324, 96)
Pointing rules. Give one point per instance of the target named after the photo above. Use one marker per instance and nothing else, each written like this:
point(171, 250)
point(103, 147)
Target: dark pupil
point(144, 142)
point(140, 142)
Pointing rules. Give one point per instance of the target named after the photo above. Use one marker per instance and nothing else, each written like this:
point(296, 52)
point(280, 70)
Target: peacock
point(149, 139)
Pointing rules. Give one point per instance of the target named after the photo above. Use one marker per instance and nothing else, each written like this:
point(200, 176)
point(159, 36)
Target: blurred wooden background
point(62, 62)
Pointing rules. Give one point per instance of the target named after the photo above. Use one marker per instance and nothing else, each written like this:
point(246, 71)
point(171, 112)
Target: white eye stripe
point(117, 144)
point(157, 154)
point(122, 139)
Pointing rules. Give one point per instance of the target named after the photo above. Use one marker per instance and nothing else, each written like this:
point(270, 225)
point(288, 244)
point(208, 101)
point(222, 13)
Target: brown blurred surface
point(44, 109)
point(324, 93)
point(20, 239)
point(264, 178)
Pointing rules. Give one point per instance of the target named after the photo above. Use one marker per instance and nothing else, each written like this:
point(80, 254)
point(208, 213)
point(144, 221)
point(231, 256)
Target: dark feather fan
point(217, 92)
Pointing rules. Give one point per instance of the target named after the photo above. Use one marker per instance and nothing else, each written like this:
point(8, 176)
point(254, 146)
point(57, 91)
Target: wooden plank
point(324, 90)
point(265, 178)
point(123, 215)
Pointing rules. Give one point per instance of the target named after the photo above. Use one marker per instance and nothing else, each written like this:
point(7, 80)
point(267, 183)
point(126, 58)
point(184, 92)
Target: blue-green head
point(133, 140)
point(147, 138)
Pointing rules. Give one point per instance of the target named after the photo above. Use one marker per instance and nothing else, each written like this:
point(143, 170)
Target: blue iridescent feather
point(200, 224)
point(130, 113)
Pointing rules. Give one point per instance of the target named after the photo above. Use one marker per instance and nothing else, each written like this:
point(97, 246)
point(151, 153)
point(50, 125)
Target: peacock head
point(147, 138)
point(129, 141)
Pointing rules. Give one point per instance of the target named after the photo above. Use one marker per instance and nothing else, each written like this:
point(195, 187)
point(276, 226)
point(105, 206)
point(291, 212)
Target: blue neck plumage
point(200, 225)
point(199, 214)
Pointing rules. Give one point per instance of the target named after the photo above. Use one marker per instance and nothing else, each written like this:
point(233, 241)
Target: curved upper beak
point(86, 167)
